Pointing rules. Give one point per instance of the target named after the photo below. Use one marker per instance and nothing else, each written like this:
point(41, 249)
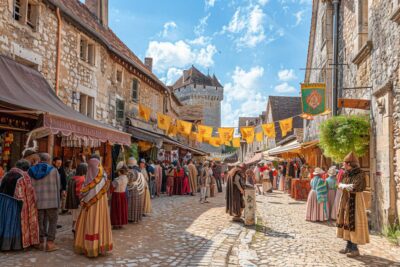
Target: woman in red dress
point(179, 174)
point(119, 202)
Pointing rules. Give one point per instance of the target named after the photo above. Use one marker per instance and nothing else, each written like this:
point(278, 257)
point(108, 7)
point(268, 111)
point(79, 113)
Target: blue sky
point(255, 47)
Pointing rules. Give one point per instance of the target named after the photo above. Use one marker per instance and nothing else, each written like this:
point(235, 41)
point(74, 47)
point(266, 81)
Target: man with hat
point(135, 188)
point(352, 223)
point(235, 192)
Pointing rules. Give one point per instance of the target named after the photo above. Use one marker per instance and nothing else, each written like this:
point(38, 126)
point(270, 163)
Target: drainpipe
point(335, 90)
point(58, 50)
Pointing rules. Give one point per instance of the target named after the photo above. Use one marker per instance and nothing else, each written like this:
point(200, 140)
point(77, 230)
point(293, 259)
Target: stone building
point(203, 94)
point(247, 151)
point(368, 69)
point(91, 69)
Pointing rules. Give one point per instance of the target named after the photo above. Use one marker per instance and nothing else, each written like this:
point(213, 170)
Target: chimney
point(100, 9)
point(148, 62)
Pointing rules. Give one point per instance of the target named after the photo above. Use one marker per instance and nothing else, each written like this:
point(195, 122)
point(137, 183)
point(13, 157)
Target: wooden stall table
point(300, 189)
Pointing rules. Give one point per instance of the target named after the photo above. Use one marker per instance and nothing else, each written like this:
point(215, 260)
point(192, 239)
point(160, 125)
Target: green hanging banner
point(313, 98)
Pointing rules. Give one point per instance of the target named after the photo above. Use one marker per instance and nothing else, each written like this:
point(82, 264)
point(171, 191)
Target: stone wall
point(320, 60)
point(98, 80)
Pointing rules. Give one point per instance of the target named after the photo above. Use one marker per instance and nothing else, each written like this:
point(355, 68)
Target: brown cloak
point(193, 177)
point(234, 199)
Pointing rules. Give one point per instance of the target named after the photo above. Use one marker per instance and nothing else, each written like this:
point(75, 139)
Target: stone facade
point(106, 77)
point(368, 69)
point(319, 60)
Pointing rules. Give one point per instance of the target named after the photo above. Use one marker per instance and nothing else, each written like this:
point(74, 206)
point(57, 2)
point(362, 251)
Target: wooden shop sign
point(354, 103)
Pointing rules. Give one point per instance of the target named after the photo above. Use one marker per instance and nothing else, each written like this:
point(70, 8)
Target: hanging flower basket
point(342, 134)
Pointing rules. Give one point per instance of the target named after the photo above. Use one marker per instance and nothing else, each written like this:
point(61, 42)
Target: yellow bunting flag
point(226, 134)
point(206, 139)
point(286, 126)
point(215, 141)
point(259, 137)
point(144, 146)
point(163, 121)
point(199, 138)
point(184, 127)
point(269, 130)
point(172, 131)
point(204, 131)
point(247, 134)
point(236, 142)
point(193, 136)
point(144, 112)
point(227, 143)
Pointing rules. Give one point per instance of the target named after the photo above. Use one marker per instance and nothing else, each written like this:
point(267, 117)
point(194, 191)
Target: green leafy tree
point(342, 134)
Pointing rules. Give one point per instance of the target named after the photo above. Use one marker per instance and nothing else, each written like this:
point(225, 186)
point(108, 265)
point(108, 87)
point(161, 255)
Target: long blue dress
point(10, 223)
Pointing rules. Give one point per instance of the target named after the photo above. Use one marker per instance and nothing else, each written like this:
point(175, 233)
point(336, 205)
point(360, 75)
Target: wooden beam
point(354, 103)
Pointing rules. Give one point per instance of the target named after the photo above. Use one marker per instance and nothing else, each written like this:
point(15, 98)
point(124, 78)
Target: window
point(26, 12)
point(135, 90)
point(362, 21)
point(119, 109)
point(86, 105)
point(119, 76)
point(87, 51)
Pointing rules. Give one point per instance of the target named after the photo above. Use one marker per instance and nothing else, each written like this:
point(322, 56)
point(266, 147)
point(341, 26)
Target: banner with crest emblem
point(313, 98)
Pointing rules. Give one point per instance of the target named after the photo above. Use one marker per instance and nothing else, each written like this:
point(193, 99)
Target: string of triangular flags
point(313, 103)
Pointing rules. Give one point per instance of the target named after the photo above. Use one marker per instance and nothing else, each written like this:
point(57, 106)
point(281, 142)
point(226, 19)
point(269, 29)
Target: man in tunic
point(235, 192)
point(135, 188)
point(192, 177)
point(352, 223)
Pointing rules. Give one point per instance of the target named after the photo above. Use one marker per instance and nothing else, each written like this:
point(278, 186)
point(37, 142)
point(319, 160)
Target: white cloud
point(179, 54)
point(244, 83)
point(284, 88)
point(299, 17)
point(247, 24)
point(172, 75)
point(200, 28)
point(286, 75)
point(201, 41)
point(209, 3)
point(242, 95)
point(263, 2)
point(168, 27)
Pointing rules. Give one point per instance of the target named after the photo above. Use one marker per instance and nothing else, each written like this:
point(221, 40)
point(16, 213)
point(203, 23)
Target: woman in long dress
point(352, 222)
point(317, 198)
point(135, 189)
point(146, 198)
point(331, 183)
point(170, 180)
point(119, 202)
point(338, 195)
point(93, 236)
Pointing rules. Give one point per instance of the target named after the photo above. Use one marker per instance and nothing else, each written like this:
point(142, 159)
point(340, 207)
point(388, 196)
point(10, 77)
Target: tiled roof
point(194, 76)
point(80, 13)
point(283, 107)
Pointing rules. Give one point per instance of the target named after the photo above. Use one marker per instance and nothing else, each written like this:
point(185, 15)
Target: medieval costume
point(234, 193)
point(317, 198)
point(93, 227)
point(185, 184)
point(119, 203)
point(135, 189)
point(146, 198)
point(205, 180)
point(25, 192)
point(217, 175)
point(178, 178)
point(338, 196)
point(192, 177)
point(74, 187)
point(10, 214)
point(266, 182)
point(331, 183)
point(352, 223)
point(170, 180)
point(158, 172)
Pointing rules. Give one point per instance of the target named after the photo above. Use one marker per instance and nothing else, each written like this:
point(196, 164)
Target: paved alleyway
point(204, 236)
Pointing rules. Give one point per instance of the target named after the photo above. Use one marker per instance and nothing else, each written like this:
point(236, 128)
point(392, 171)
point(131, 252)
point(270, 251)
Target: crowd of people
point(37, 190)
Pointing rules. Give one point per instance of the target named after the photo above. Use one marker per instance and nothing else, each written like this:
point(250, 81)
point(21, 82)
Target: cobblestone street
point(203, 235)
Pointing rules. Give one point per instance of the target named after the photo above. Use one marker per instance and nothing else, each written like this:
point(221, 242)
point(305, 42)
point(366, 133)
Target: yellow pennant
point(172, 131)
point(163, 121)
point(144, 112)
point(205, 139)
point(236, 142)
point(144, 146)
point(286, 126)
point(226, 134)
point(227, 143)
point(215, 141)
point(247, 134)
point(259, 137)
point(269, 130)
point(184, 127)
point(204, 131)
point(193, 136)
point(199, 138)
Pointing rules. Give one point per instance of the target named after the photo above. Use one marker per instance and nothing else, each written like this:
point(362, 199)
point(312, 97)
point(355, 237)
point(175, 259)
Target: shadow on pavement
point(272, 233)
point(374, 261)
